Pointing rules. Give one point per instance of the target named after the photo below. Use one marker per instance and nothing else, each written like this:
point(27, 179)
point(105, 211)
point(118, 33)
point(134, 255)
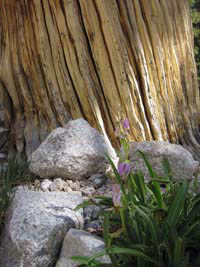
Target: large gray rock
point(181, 161)
point(73, 152)
point(80, 243)
point(35, 226)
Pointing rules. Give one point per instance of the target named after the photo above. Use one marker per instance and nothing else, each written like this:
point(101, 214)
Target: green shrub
point(146, 224)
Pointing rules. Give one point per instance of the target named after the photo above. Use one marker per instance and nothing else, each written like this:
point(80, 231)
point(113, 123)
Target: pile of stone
point(72, 167)
point(97, 184)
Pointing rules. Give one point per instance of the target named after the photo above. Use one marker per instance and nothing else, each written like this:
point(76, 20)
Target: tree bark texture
point(102, 60)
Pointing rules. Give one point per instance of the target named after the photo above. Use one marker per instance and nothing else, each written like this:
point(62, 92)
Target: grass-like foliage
point(15, 172)
point(147, 224)
point(153, 226)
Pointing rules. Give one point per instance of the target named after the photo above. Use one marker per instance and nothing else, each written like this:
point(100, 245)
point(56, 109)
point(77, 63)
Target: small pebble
point(67, 189)
point(75, 186)
point(59, 183)
point(98, 180)
point(45, 185)
point(37, 184)
point(94, 227)
point(92, 212)
point(88, 190)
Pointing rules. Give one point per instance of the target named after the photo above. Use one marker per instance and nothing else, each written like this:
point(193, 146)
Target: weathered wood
point(101, 60)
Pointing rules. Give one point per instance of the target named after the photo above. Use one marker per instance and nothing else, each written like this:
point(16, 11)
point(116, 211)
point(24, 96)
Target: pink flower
point(116, 195)
point(126, 124)
point(124, 168)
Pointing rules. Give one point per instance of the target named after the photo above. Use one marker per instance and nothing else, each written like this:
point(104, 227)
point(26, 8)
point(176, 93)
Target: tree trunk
point(102, 60)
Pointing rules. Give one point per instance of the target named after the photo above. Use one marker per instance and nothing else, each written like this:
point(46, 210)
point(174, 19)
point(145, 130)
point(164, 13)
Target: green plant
point(154, 223)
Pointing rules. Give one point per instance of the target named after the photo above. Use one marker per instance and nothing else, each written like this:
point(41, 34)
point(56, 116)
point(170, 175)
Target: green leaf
point(125, 146)
point(156, 190)
point(155, 186)
point(161, 180)
point(117, 233)
point(139, 181)
point(134, 252)
point(85, 262)
point(82, 259)
point(175, 209)
point(194, 212)
point(149, 167)
point(186, 260)
point(167, 168)
point(191, 228)
point(104, 201)
point(195, 185)
point(150, 223)
point(178, 251)
point(97, 255)
point(195, 234)
point(125, 226)
point(106, 230)
point(141, 262)
point(84, 204)
point(196, 200)
point(132, 193)
point(107, 237)
point(117, 176)
point(137, 230)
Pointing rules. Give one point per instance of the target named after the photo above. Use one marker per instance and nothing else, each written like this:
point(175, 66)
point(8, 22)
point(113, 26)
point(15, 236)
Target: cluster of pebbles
point(97, 184)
